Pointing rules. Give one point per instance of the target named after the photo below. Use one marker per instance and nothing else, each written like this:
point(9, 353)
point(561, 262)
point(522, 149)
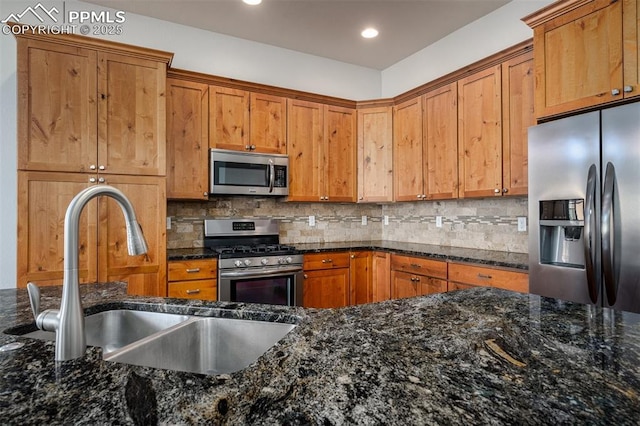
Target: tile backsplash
point(479, 223)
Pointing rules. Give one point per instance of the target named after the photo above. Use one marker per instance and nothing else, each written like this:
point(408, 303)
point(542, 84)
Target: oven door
point(278, 286)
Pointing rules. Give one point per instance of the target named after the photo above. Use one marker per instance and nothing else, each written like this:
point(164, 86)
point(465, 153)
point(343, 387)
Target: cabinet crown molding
point(552, 11)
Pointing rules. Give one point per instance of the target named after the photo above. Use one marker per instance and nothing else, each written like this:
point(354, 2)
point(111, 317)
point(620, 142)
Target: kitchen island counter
point(479, 356)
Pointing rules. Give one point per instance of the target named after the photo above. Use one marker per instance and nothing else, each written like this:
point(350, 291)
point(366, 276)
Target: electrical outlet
point(312, 221)
point(385, 219)
point(438, 221)
point(522, 224)
point(168, 222)
point(364, 220)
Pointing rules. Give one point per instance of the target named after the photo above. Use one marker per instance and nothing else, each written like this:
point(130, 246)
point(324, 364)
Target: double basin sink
point(205, 345)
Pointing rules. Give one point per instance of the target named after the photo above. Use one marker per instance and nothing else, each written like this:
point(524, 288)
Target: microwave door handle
point(272, 175)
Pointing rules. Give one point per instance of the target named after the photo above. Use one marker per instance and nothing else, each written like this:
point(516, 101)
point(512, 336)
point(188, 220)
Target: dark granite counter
point(453, 254)
point(481, 356)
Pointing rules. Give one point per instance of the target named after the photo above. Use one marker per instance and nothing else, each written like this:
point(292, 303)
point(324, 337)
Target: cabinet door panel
point(340, 154)
point(187, 140)
point(57, 118)
point(381, 276)
point(145, 273)
point(361, 278)
point(195, 289)
point(375, 154)
point(132, 115)
point(518, 116)
point(441, 143)
point(268, 126)
point(480, 134)
point(228, 118)
point(430, 285)
point(44, 198)
point(407, 150)
point(631, 45)
point(305, 126)
point(326, 288)
point(403, 285)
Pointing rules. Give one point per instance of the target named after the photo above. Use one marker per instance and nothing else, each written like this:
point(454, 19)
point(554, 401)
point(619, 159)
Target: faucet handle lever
point(34, 299)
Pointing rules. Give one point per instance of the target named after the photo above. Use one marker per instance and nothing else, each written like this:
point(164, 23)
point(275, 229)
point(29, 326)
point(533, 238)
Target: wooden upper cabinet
point(339, 177)
point(187, 140)
point(228, 118)
point(57, 109)
point(517, 117)
point(305, 128)
point(245, 121)
point(407, 150)
point(480, 134)
point(84, 110)
point(375, 154)
point(268, 124)
point(321, 144)
point(586, 54)
point(441, 143)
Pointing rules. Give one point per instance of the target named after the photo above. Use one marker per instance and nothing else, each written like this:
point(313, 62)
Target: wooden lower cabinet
point(193, 279)
point(466, 275)
point(414, 276)
point(361, 277)
point(326, 288)
point(380, 276)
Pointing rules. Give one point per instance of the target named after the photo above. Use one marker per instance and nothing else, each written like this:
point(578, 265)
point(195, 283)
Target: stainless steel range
point(253, 266)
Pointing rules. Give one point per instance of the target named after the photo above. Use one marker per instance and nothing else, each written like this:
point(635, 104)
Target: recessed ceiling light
point(369, 33)
point(252, 2)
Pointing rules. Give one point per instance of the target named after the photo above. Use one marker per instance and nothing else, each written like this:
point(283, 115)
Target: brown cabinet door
point(57, 113)
point(407, 150)
point(43, 201)
point(187, 140)
point(375, 154)
point(404, 285)
point(146, 273)
point(326, 288)
point(480, 134)
point(228, 118)
point(381, 276)
point(429, 285)
point(305, 146)
point(517, 117)
point(131, 115)
point(579, 58)
point(631, 45)
point(361, 278)
point(339, 177)
point(441, 143)
point(268, 123)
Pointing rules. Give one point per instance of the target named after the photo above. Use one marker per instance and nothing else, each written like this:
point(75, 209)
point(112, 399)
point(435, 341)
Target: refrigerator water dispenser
point(562, 233)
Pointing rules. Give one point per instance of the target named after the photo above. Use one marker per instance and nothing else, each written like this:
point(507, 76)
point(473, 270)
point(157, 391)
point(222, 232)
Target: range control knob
point(264, 261)
point(238, 263)
point(247, 262)
point(288, 259)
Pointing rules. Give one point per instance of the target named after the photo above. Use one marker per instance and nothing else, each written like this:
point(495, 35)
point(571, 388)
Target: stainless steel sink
point(114, 329)
point(204, 345)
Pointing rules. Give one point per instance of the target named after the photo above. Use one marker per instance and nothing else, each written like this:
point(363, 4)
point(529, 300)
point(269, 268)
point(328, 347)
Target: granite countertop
point(454, 254)
point(479, 356)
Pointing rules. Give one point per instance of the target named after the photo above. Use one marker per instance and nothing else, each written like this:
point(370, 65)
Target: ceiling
point(326, 28)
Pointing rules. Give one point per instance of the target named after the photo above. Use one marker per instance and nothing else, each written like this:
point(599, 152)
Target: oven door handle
point(256, 274)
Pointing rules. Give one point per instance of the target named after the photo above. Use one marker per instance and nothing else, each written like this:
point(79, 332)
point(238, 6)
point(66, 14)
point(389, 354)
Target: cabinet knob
point(253, 147)
point(353, 256)
point(101, 167)
point(305, 276)
point(505, 190)
point(627, 89)
point(327, 260)
point(496, 191)
point(92, 180)
point(206, 194)
point(101, 180)
point(247, 147)
point(615, 92)
point(419, 196)
point(92, 167)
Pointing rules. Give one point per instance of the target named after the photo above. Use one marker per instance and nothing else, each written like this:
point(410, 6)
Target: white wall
point(488, 35)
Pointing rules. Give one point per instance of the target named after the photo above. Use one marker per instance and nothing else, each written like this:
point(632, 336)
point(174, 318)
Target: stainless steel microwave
point(248, 173)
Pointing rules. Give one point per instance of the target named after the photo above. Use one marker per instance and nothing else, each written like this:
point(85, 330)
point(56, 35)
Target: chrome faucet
point(68, 322)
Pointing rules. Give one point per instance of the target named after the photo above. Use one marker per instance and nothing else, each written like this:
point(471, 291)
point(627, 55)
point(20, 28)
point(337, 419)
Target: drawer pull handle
point(415, 265)
point(193, 270)
point(327, 260)
point(195, 291)
point(484, 276)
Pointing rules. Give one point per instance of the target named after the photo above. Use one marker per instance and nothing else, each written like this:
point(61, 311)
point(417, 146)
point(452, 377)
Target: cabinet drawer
point(483, 276)
point(198, 289)
point(180, 270)
point(417, 265)
point(326, 260)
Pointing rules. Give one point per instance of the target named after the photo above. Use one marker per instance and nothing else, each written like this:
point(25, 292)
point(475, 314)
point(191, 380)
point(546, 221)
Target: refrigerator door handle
point(608, 252)
point(592, 180)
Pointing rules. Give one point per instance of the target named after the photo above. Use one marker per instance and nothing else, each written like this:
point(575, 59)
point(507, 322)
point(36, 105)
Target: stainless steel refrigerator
point(584, 208)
